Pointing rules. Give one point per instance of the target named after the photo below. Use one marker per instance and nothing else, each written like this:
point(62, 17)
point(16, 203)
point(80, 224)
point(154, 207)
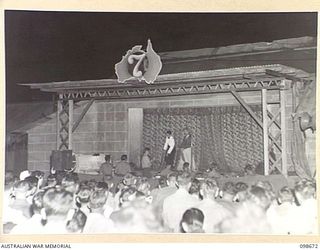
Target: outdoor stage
point(237, 116)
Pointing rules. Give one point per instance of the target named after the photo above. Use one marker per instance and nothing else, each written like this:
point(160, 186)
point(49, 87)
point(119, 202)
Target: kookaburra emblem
point(139, 64)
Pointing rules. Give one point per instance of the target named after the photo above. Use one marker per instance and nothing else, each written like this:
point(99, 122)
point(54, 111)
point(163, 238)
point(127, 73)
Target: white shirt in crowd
point(98, 223)
point(25, 228)
point(169, 143)
point(306, 219)
point(214, 214)
point(282, 217)
point(174, 207)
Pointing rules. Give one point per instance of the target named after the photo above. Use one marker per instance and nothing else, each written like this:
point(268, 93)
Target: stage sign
point(139, 64)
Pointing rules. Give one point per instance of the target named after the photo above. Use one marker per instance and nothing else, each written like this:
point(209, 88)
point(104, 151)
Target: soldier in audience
point(226, 197)
point(280, 214)
point(250, 215)
point(194, 189)
point(82, 199)
point(35, 220)
point(66, 205)
point(306, 212)
point(168, 188)
point(77, 222)
point(96, 221)
point(214, 213)
point(135, 214)
point(57, 202)
point(18, 209)
point(51, 181)
point(70, 182)
point(176, 204)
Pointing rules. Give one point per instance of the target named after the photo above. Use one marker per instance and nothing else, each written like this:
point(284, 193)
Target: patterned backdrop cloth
point(225, 136)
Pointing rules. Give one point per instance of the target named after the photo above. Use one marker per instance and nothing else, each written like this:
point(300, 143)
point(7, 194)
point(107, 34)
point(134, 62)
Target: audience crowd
point(61, 203)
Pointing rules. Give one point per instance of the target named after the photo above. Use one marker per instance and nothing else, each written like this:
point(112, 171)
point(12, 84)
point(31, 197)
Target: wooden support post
point(59, 108)
point(135, 129)
point(283, 133)
point(247, 108)
point(85, 110)
point(265, 131)
point(294, 96)
point(70, 125)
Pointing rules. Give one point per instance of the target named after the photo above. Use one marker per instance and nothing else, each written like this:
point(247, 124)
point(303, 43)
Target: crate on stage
point(62, 160)
point(89, 164)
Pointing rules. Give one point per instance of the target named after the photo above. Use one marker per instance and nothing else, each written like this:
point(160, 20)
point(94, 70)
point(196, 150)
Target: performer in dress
point(170, 149)
point(186, 151)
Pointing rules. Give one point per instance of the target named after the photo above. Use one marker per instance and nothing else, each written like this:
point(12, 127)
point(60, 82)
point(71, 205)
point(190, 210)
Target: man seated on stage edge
point(106, 168)
point(123, 167)
point(146, 162)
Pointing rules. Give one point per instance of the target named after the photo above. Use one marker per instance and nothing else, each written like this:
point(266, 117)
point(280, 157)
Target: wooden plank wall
point(135, 126)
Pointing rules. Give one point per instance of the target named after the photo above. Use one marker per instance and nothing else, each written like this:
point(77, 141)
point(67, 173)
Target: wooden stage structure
point(266, 79)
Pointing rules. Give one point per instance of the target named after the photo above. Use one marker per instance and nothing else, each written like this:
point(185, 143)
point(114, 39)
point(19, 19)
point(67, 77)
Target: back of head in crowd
point(92, 184)
point(70, 182)
point(195, 188)
point(97, 200)
point(102, 186)
point(37, 203)
point(304, 190)
point(267, 186)
point(241, 191)
point(143, 186)
point(57, 202)
point(51, 180)
point(127, 195)
point(192, 221)
point(33, 181)
point(39, 175)
point(209, 189)
point(184, 180)
point(169, 132)
point(124, 157)
point(172, 179)
point(23, 189)
point(162, 182)
point(77, 222)
point(259, 196)
point(285, 195)
point(129, 180)
point(228, 191)
point(83, 196)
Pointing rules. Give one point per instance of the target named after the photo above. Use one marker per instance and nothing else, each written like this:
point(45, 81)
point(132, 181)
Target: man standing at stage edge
point(186, 151)
point(170, 149)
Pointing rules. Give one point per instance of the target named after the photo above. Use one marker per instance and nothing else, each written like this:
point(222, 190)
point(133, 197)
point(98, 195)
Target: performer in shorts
point(186, 155)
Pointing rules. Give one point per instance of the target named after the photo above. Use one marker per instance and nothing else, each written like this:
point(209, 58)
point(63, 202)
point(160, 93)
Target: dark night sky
point(62, 46)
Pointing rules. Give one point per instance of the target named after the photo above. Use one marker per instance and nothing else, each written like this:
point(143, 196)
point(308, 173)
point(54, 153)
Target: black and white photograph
point(160, 123)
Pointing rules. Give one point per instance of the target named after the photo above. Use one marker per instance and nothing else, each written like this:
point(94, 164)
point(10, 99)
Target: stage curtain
point(226, 136)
